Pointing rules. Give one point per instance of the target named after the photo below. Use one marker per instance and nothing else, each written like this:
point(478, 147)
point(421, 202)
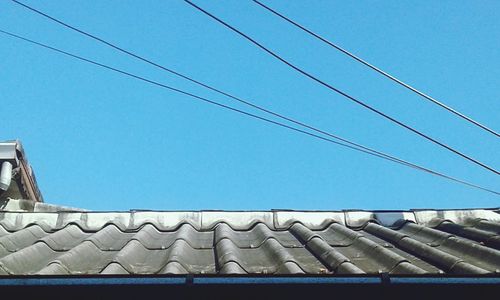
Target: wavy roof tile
point(253, 242)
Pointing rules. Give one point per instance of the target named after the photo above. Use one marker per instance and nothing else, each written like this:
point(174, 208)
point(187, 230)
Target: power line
point(191, 79)
point(220, 105)
point(357, 101)
point(378, 70)
point(176, 73)
point(149, 61)
point(239, 99)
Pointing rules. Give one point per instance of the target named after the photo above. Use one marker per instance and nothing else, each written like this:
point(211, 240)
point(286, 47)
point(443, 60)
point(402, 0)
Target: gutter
point(191, 280)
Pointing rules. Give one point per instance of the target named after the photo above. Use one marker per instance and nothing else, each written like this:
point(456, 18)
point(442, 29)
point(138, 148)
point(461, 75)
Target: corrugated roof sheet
point(265, 242)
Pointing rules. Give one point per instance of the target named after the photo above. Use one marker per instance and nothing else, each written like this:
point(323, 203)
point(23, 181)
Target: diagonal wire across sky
point(344, 94)
point(378, 70)
point(338, 141)
point(305, 128)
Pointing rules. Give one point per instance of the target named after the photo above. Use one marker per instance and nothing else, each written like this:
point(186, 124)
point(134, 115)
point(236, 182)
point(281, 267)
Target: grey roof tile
point(114, 269)
point(255, 237)
point(138, 259)
point(465, 249)
point(110, 238)
point(22, 238)
point(3, 251)
point(488, 238)
point(270, 257)
point(328, 255)
point(329, 235)
point(66, 238)
point(173, 267)
point(487, 226)
point(3, 231)
point(86, 258)
point(232, 267)
point(289, 267)
point(331, 257)
point(28, 260)
point(369, 253)
point(3, 272)
point(438, 257)
point(314, 220)
point(151, 238)
point(272, 242)
point(54, 268)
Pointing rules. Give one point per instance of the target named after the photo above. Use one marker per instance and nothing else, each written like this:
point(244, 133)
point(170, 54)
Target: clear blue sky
point(101, 141)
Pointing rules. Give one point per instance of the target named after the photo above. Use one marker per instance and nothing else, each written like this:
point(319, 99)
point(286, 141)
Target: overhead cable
point(378, 70)
point(351, 98)
point(176, 73)
point(191, 79)
point(269, 121)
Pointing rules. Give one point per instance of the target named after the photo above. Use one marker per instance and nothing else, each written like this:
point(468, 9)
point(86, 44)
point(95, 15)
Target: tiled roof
point(265, 242)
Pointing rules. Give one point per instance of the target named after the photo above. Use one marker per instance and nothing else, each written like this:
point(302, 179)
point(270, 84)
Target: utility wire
point(373, 153)
point(239, 99)
point(149, 61)
point(357, 101)
point(378, 70)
